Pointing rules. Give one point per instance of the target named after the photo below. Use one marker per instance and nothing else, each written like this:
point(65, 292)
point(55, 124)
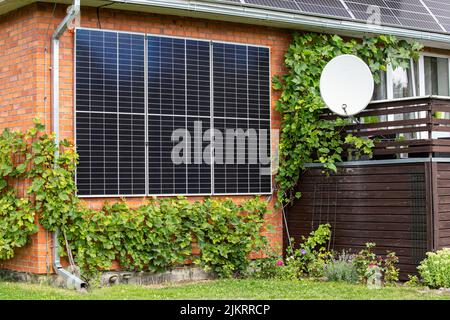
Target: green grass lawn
point(222, 289)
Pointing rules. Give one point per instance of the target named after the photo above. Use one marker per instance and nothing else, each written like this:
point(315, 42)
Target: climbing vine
point(17, 217)
point(218, 235)
point(305, 137)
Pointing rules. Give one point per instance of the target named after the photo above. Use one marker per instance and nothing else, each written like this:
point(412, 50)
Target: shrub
point(341, 268)
point(413, 281)
point(367, 257)
point(312, 255)
point(435, 269)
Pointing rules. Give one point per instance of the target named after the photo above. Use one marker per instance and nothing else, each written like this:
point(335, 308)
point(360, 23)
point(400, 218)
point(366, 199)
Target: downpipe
point(71, 281)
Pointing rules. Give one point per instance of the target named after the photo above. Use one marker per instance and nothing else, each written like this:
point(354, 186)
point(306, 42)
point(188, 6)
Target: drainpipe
point(72, 282)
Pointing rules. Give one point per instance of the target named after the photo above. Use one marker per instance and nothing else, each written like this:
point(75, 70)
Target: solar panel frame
point(267, 189)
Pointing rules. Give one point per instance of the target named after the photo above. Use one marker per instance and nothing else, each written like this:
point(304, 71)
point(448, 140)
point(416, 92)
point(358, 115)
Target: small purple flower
point(280, 263)
point(303, 251)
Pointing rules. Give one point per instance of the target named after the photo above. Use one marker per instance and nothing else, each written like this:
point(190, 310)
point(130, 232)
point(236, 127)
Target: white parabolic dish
point(346, 85)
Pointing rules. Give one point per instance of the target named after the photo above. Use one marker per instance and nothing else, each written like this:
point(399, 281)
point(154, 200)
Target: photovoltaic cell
point(110, 113)
point(441, 10)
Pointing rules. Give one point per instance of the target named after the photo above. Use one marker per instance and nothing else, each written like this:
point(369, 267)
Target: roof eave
point(258, 16)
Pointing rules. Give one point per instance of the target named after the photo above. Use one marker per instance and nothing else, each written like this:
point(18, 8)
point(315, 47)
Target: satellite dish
point(346, 85)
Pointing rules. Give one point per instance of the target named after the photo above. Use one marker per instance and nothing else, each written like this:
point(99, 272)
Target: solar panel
point(412, 13)
point(405, 13)
point(333, 8)
point(281, 4)
point(241, 109)
point(441, 10)
point(126, 139)
point(110, 113)
point(179, 96)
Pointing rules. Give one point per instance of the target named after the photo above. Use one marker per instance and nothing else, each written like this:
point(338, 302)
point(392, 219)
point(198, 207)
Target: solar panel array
point(134, 91)
point(429, 15)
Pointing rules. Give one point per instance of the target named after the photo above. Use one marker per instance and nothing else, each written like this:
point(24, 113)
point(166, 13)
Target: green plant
point(366, 258)
point(413, 281)
point(435, 269)
point(17, 217)
point(341, 268)
point(310, 257)
point(390, 270)
point(305, 137)
point(156, 236)
point(159, 235)
point(226, 234)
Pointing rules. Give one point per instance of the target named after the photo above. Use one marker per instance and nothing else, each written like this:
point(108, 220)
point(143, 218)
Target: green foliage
point(16, 223)
point(435, 269)
point(17, 217)
point(304, 137)
point(227, 234)
point(413, 281)
point(270, 266)
point(341, 268)
point(53, 184)
point(310, 258)
point(159, 235)
point(390, 270)
point(313, 253)
point(366, 258)
point(154, 237)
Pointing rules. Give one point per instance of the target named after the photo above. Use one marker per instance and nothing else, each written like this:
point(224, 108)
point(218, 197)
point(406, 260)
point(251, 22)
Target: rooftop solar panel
point(412, 13)
point(333, 8)
point(280, 4)
point(441, 10)
point(404, 13)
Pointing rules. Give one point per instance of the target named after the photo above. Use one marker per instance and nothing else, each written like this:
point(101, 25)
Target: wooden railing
point(413, 127)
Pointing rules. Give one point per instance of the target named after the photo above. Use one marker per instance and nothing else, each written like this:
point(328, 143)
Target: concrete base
point(179, 274)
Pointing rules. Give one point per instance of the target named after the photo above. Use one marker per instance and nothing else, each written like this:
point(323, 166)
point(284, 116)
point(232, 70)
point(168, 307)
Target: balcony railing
point(412, 127)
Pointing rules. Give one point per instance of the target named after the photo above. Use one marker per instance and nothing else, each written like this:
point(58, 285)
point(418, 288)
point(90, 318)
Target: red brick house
point(169, 60)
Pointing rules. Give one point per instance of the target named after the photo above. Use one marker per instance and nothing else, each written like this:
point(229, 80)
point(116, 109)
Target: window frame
point(421, 76)
point(146, 35)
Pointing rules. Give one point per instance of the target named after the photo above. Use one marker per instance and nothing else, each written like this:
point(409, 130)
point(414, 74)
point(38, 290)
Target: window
point(429, 76)
point(170, 116)
point(436, 72)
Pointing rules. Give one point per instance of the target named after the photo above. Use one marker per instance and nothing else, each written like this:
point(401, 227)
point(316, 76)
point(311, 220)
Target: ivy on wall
point(17, 216)
point(305, 137)
point(156, 236)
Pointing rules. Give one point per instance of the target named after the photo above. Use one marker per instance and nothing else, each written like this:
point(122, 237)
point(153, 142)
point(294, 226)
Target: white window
point(430, 75)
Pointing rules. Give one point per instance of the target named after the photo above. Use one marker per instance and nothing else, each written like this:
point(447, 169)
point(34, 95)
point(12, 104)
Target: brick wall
point(24, 71)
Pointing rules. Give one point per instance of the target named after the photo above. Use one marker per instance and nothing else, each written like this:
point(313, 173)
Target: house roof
point(425, 20)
